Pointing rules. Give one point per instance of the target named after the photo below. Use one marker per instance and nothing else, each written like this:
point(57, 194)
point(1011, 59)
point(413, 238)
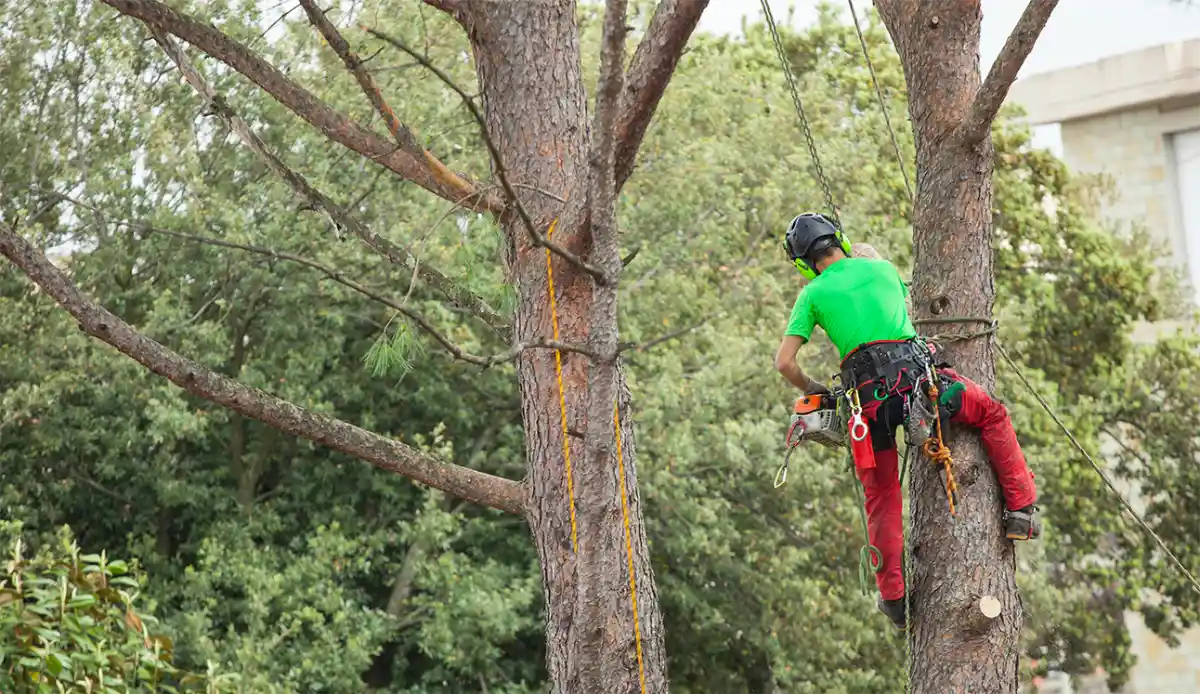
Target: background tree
point(569, 172)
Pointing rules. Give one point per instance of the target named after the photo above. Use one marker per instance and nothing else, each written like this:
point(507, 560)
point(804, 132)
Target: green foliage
point(297, 569)
point(68, 624)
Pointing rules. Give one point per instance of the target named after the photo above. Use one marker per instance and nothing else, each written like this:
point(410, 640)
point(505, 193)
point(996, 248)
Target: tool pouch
point(918, 426)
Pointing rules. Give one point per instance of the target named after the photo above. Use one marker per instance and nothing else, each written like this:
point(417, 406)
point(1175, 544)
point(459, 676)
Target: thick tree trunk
point(955, 561)
point(527, 57)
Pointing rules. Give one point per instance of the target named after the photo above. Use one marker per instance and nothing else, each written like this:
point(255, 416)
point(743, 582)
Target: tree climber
point(860, 303)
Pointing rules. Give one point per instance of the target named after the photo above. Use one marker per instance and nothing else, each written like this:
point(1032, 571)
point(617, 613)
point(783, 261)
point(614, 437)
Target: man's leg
point(973, 406)
point(881, 486)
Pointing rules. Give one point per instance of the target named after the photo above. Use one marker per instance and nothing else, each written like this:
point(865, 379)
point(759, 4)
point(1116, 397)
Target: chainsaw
point(817, 418)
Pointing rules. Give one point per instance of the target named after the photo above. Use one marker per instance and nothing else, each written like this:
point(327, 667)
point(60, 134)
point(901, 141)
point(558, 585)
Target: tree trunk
point(528, 62)
point(955, 561)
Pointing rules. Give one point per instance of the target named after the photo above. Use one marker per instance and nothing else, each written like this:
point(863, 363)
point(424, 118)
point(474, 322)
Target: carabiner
point(859, 428)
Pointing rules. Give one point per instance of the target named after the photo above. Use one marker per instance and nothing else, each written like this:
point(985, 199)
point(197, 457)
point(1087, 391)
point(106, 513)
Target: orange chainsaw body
point(812, 403)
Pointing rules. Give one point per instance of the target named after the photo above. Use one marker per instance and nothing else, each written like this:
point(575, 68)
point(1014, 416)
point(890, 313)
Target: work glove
point(816, 388)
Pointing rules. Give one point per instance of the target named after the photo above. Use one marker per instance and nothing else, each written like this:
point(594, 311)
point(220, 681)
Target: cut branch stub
point(981, 614)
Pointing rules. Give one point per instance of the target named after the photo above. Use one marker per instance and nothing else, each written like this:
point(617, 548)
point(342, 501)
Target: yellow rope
point(637, 629)
point(562, 401)
point(562, 393)
point(935, 447)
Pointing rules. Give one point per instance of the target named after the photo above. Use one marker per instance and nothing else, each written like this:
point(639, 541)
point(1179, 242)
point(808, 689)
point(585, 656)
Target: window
point(1187, 178)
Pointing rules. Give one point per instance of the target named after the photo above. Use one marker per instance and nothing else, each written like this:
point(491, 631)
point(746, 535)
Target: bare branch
point(651, 69)
point(340, 218)
point(455, 8)
point(398, 306)
point(501, 172)
point(393, 456)
point(1004, 71)
point(334, 125)
point(642, 347)
point(402, 135)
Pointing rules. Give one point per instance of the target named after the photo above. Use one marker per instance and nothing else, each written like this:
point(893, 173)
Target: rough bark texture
point(954, 560)
point(527, 57)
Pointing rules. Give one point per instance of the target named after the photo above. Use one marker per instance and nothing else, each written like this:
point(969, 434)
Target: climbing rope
point(562, 400)
point(862, 41)
point(637, 628)
point(935, 446)
point(562, 392)
point(822, 179)
point(1099, 470)
point(870, 559)
point(992, 330)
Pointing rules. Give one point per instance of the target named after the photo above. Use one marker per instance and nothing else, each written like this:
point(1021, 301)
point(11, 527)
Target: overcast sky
point(1079, 31)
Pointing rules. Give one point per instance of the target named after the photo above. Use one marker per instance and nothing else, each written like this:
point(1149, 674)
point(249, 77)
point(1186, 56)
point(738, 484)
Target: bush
point(68, 624)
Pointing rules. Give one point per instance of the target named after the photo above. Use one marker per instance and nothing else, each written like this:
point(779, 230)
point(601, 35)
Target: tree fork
point(960, 560)
point(537, 119)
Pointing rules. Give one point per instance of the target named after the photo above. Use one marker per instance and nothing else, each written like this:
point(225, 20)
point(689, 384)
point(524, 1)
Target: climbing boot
point(1022, 524)
point(894, 609)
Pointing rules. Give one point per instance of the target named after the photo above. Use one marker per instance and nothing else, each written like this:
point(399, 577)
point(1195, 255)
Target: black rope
point(808, 136)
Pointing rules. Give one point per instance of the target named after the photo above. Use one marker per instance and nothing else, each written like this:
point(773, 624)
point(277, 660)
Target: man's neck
point(824, 263)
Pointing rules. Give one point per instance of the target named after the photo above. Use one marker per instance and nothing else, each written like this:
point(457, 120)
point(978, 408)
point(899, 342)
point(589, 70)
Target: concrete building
point(1136, 118)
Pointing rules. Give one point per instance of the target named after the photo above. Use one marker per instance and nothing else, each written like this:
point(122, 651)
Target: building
point(1136, 118)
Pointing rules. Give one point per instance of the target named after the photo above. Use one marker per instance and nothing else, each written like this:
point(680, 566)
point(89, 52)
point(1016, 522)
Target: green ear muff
point(807, 271)
point(845, 243)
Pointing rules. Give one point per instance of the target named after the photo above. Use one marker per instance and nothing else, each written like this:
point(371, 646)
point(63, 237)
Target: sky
point(1078, 32)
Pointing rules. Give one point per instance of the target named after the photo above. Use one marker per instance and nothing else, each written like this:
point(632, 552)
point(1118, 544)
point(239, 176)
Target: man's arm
point(785, 363)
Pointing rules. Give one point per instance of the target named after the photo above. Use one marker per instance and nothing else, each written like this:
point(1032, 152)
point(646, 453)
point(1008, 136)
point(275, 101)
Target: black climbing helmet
point(809, 234)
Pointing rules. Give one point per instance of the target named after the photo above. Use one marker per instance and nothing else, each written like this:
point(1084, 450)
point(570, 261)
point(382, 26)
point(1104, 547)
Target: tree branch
point(651, 69)
point(340, 218)
point(393, 456)
point(667, 337)
point(501, 172)
point(402, 135)
point(455, 8)
point(303, 103)
point(398, 306)
point(1004, 71)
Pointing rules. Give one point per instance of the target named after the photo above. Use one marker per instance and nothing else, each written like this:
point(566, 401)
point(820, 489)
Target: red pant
point(882, 482)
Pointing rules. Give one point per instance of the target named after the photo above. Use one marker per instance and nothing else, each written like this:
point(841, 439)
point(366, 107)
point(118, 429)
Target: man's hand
point(816, 388)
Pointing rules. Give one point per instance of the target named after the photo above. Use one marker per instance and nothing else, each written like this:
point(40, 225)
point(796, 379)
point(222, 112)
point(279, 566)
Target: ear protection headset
point(803, 237)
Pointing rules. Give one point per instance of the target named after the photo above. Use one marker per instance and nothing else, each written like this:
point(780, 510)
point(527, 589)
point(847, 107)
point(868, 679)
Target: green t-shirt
point(855, 300)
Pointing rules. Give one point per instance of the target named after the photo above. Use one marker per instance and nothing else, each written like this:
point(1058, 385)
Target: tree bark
point(954, 560)
point(528, 62)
